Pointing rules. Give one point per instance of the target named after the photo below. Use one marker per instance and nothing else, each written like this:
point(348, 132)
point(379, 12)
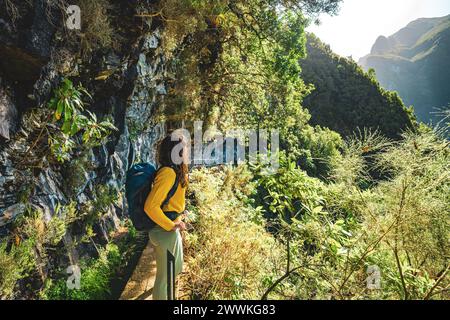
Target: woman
point(165, 236)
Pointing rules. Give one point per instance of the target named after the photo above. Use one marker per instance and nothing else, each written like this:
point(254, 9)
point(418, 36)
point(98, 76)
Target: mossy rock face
point(125, 72)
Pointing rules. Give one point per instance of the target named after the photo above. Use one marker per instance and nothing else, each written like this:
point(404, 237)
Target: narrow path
point(141, 282)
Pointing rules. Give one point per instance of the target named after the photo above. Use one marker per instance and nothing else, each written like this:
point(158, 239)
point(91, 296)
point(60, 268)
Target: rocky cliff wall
point(128, 84)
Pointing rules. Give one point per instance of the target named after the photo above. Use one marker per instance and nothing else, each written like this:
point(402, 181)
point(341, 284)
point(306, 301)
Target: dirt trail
point(140, 285)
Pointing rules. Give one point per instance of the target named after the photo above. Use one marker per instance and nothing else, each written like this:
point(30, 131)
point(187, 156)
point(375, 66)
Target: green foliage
point(328, 233)
point(333, 231)
point(96, 275)
point(355, 163)
point(100, 275)
point(93, 211)
point(33, 226)
point(29, 245)
point(68, 106)
point(9, 271)
point(290, 191)
point(240, 65)
point(18, 261)
point(95, 132)
point(68, 102)
point(309, 231)
point(313, 148)
point(346, 99)
point(242, 70)
point(98, 32)
point(104, 197)
point(229, 255)
point(75, 173)
point(61, 146)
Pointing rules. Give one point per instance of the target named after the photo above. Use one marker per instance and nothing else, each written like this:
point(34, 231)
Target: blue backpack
point(138, 184)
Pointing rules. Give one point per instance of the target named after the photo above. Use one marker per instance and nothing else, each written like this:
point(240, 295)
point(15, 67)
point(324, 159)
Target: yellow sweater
point(164, 181)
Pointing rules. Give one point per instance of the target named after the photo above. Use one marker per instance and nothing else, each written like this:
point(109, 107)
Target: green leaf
point(74, 128)
point(66, 127)
point(68, 115)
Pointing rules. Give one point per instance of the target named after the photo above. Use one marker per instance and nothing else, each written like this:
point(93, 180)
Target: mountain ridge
point(346, 99)
point(414, 62)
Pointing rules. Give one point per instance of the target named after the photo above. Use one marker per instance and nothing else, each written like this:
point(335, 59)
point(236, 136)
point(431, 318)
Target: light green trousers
point(162, 241)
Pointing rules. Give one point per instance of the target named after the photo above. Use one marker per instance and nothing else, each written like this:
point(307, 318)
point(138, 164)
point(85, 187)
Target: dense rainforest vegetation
point(359, 208)
point(346, 98)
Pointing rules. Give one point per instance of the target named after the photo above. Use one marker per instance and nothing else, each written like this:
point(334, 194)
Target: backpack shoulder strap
point(172, 191)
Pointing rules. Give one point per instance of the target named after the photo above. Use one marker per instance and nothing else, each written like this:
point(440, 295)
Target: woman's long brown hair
point(165, 158)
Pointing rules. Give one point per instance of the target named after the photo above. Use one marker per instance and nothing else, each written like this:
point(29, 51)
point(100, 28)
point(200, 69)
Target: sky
point(360, 22)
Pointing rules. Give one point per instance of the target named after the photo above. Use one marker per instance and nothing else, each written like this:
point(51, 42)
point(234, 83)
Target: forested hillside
point(414, 61)
point(346, 99)
point(79, 107)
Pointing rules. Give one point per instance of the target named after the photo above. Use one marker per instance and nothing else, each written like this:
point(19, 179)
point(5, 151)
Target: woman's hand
point(180, 225)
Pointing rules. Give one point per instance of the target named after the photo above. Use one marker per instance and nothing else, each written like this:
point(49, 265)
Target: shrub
point(98, 32)
point(102, 276)
point(333, 232)
point(29, 245)
point(9, 272)
point(396, 224)
point(228, 255)
point(68, 106)
point(96, 275)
